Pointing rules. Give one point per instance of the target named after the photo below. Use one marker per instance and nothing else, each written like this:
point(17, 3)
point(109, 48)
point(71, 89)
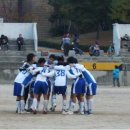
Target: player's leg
point(89, 100)
point(82, 91)
point(81, 99)
point(53, 98)
point(31, 94)
point(70, 100)
point(64, 105)
point(20, 93)
point(91, 91)
point(34, 104)
point(49, 85)
point(37, 91)
point(38, 101)
point(72, 105)
point(73, 99)
point(45, 91)
point(26, 94)
point(16, 92)
point(62, 90)
point(18, 105)
point(45, 104)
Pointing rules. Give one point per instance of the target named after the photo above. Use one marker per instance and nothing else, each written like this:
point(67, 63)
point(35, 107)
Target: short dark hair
point(71, 60)
point(52, 56)
point(75, 60)
point(116, 67)
point(30, 57)
point(41, 60)
point(60, 58)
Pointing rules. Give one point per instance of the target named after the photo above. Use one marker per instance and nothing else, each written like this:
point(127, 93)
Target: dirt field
point(111, 110)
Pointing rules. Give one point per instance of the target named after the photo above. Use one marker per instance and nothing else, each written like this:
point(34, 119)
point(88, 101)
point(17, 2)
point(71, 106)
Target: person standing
point(66, 44)
point(115, 75)
point(20, 41)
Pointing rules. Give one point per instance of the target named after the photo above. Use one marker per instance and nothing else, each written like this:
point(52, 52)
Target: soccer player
point(78, 87)
point(91, 90)
point(53, 97)
point(91, 87)
point(51, 62)
point(61, 74)
point(21, 81)
point(30, 62)
point(41, 86)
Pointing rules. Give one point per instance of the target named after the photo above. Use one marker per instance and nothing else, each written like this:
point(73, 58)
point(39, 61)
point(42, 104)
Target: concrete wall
point(105, 77)
point(8, 72)
point(12, 31)
point(119, 30)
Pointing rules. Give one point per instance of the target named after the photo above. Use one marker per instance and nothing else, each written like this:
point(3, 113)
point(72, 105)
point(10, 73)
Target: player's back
point(21, 76)
point(25, 75)
point(40, 76)
point(60, 75)
point(87, 75)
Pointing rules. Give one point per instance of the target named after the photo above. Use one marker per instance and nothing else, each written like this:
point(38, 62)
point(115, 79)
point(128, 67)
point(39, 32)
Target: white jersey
point(87, 75)
point(51, 68)
point(41, 76)
point(77, 68)
point(61, 74)
point(25, 76)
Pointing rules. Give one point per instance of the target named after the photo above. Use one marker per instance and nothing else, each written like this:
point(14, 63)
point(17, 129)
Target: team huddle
point(48, 78)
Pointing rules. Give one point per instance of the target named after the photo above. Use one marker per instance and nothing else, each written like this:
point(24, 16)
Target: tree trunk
point(20, 11)
point(98, 32)
point(69, 27)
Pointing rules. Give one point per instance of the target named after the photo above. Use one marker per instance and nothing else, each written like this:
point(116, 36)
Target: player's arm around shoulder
point(48, 73)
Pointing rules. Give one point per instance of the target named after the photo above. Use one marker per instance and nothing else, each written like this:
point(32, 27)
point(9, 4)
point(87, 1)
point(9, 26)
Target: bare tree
point(9, 10)
point(20, 11)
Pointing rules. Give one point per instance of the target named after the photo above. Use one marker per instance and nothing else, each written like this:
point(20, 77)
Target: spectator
point(20, 41)
point(94, 50)
point(66, 44)
point(75, 45)
point(115, 75)
point(4, 41)
point(76, 40)
point(111, 50)
point(91, 50)
point(125, 38)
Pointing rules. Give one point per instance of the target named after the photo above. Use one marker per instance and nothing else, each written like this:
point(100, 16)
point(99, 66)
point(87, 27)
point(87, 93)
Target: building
point(28, 11)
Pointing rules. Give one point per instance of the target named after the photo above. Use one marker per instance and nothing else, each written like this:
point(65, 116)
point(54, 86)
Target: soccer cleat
point(23, 112)
point(77, 111)
point(64, 112)
point(34, 112)
point(19, 112)
point(53, 108)
point(88, 113)
point(44, 112)
point(70, 112)
point(82, 113)
point(31, 111)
